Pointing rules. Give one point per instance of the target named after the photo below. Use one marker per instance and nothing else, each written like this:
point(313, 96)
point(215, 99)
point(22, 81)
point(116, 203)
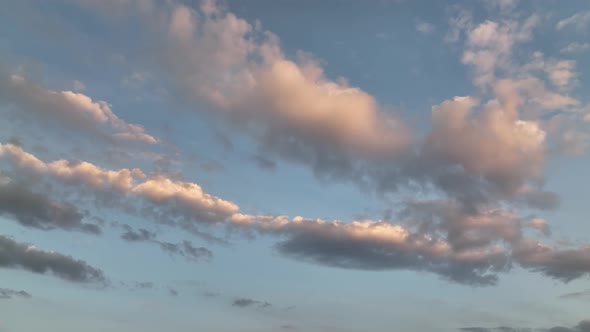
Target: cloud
point(27, 257)
point(540, 225)
point(6, 293)
point(424, 27)
point(494, 144)
point(69, 108)
point(503, 5)
point(575, 48)
point(138, 285)
point(562, 264)
point(245, 302)
point(285, 104)
point(485, 157)
point(489, 46)
point(579, 21)
point(288, 105)
point(37, 210)
point(373, 245)
point(144, 285)
point(181, 201)
point(184, 248)
point(464, 244)
point(78, 86)
point(562, 73)
point(264, 163)
point(583, 326)
point(577, 295)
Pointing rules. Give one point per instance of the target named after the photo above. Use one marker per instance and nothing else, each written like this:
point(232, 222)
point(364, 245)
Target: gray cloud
point(583, 326)
point(37, 210)
point(350, 253)
point(144, 285)
point(6, 293)
point(562, 264)
point(184, 248)
point(140, 235)
point(263, 162)
point(585, 294)
point(27, 257)
point(245, 302)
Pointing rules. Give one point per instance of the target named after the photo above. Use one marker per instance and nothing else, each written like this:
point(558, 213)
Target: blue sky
point(294, 165)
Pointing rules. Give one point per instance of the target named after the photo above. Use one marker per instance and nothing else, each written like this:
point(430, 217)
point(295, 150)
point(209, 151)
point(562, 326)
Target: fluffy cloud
point(70, 108)
point(494, 144)
point(23, 256)
point(289, 106)
point(489, 46)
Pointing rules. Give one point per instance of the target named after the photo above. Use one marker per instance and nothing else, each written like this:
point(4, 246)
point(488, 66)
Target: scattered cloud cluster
point(483, 156)
point(458, 244)
point(184, 248)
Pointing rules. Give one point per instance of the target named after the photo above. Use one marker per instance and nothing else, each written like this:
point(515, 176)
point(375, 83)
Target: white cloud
point(78, 86)
point(489, 46)
point(424, 27)
point(576, 48)
point(69, 108)
point(579, 21)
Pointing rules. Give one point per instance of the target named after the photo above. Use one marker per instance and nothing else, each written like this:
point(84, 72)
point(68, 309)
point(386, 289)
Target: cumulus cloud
point(37, 210)
point(494, 144)
point(6, 293)
point(285, 104)
point(74, 109)
point(23, 256)
point(177, 198)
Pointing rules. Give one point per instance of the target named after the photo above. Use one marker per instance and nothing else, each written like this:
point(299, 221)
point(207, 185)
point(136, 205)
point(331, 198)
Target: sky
point(294, 165)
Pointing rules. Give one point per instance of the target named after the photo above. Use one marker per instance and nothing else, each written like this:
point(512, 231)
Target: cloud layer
point(462, 245)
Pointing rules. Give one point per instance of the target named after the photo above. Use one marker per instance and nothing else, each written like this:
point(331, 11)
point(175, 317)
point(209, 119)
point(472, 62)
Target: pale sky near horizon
point(283, 165)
